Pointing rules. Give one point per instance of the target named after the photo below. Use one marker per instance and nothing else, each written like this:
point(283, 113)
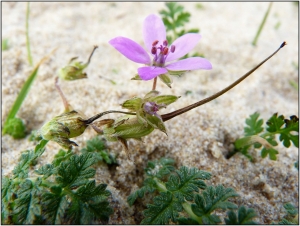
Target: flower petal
point(192, 63)
point(183, 45)
point(153, 29)
point(147, 73)
point(131, 50)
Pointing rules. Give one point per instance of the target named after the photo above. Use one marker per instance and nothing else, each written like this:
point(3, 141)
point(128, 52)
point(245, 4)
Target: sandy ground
point(200, 138)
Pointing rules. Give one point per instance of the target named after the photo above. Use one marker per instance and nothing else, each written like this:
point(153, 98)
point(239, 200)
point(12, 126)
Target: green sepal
point(156, 122)
point(133, 104)
point(74, 69)
point(132, 129)
point(152, 93)
point(166, 80)
point(141, 117)
point(176, 73)
point(164, 99)
point(71, 73)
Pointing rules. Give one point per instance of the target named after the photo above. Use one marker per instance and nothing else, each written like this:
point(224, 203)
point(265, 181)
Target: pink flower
point(154, 33)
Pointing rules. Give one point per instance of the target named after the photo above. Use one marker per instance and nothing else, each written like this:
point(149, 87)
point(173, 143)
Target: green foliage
point(177, 191)
point(5, 45)
point(15, 127)
point(97, 147)
point(290, 209)
point(265, 138)
point(27, 159)
point(291, 216)
point(175, 17)
point(254, 126)
point(244, 216)
point(164, 209)
point(211, 199)
point(63, 192)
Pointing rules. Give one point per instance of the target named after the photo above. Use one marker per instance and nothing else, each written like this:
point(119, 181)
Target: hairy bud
point(63, 127)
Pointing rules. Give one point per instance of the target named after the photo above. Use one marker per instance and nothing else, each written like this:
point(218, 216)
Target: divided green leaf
point(213, 198)
point(164, 209)
point(244, 217)
point(254, 125)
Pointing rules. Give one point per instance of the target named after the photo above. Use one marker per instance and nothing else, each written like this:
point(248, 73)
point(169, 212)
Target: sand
point(200, 138)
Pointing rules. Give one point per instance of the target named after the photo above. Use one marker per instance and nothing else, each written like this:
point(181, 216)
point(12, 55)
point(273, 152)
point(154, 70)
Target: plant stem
point(187, 207)
point(27, 36)
point(261, 25)
point(160, 186)
point(90, 57)
point(154, 83)
point(90, 120)
point(173, 114)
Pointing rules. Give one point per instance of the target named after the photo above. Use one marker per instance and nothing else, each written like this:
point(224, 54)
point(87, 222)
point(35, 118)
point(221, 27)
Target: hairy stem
point(67, 106)
point(173, 114)
point(154, 83)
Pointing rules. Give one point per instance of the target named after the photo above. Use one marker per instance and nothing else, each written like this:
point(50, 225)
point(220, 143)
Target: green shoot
point(261, 25)
point(177, 194)
point(27, 35)
point(5, 45)
point(287, 129)
point(14, 126)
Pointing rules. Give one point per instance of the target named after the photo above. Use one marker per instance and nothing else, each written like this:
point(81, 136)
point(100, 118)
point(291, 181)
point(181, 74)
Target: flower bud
point(63, 127)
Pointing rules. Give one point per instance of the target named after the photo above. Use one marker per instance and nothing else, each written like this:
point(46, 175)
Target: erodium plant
point(64, 192)
point(142, 115)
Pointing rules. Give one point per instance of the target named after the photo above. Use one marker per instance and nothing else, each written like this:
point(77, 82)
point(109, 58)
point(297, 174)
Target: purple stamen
point(161, 56)
point(153, 50)
point(155, 43)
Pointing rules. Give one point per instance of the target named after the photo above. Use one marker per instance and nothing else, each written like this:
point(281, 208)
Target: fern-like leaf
point(244, 217)
point(76, 171)
point(27, 207)
point(213, 198)
point(186, 182)
point(164, 209)
point(254, 125)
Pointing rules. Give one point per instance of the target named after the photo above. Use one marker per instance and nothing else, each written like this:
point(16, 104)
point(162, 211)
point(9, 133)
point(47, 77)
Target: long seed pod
point(173, 114)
